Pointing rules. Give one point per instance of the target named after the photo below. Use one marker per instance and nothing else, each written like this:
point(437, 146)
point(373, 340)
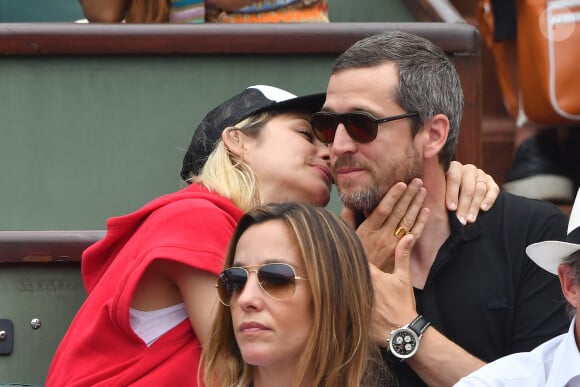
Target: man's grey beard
point(364, 200)
point(368, 198)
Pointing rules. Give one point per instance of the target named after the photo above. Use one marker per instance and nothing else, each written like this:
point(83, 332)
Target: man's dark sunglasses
point(361, 126)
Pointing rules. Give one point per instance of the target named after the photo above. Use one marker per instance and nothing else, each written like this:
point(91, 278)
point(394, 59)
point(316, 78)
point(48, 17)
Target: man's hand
point(394, 299)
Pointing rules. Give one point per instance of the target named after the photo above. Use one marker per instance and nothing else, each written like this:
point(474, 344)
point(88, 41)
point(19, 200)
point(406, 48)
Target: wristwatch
point(404, 341)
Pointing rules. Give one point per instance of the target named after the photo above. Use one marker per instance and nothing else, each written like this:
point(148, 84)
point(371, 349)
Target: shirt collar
point(465, 233)
point(566, 362)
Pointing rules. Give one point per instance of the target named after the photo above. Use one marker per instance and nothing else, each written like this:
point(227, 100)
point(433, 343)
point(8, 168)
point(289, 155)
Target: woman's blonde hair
point(228, 174)
point(339, 350)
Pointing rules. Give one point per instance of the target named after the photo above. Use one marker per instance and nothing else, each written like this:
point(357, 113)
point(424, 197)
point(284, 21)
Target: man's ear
point(569, 287)
point(234, 141)
point(433, 135)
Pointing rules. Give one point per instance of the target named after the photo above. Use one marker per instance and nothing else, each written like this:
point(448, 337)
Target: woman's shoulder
point(195, 204)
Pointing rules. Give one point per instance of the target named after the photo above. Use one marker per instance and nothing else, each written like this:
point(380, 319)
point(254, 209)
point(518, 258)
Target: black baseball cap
point(253, 100)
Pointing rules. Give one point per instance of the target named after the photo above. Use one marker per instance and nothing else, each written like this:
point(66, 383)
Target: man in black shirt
point(468, 294)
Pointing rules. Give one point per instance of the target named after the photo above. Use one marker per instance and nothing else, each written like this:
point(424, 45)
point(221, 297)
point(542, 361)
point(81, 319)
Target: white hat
point(549, 254)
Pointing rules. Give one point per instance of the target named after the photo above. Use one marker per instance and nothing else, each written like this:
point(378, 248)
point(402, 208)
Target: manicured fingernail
point(452, 206)
point(462, 220)
point(471, 217)
point(484, 206)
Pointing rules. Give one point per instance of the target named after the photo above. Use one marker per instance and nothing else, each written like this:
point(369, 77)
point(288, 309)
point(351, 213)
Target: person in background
point(296, 307)
point(214, 11)
point(469, 294)
point(267, 11)
point(555, 363)
point(150, 280)
point(144, 11)
point(544, 155)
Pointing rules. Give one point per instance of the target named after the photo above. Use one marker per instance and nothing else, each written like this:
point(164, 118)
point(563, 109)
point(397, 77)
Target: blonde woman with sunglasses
point(150, 280)
point(296, 299)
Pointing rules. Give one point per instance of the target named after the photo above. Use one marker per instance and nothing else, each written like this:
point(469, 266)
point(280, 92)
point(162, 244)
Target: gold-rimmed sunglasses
point(277, 280)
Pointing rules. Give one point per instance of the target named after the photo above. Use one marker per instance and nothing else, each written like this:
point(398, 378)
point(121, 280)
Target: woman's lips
point(325, 172)
point(252, 327)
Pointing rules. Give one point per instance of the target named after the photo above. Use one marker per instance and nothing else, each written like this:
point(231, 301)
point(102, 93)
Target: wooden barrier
point(45, 246)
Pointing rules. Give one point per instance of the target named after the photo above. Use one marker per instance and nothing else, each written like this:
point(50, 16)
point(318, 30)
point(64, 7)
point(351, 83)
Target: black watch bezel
point(404, 341)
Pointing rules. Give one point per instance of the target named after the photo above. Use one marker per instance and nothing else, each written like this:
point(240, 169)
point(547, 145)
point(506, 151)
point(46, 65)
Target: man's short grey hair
point(573, 260)
point(428, 81)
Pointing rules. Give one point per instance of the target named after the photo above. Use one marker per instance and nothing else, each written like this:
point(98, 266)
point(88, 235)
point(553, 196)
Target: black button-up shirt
point(484, 293)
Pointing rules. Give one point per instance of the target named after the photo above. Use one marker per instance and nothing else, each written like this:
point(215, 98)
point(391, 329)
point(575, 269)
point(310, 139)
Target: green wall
point(40, 10)
point(86, 138)
point(51, 294)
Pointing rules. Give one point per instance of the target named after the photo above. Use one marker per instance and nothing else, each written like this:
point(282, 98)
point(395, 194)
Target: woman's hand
point(469, 190)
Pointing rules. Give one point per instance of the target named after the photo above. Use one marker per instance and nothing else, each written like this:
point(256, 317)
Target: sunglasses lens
point(229, 281)
point(360, 127)
point(277, 279)
point(324, 126)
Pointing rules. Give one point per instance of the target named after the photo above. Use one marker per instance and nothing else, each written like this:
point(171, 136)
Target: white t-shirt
point(151, 325)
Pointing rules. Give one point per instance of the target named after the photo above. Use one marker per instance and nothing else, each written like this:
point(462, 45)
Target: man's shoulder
point(519, 220)
point(511, 199)
point(508, 203)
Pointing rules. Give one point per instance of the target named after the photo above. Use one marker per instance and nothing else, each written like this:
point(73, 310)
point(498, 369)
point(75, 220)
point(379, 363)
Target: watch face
point(403, 343)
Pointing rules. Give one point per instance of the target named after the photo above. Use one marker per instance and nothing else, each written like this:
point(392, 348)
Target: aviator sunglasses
point(361, 126)
point(277, 280)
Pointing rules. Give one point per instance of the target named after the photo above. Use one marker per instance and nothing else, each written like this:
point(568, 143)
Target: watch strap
point(419, 325)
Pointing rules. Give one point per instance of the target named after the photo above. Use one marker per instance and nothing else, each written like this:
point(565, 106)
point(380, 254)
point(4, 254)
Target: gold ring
point(401, 232)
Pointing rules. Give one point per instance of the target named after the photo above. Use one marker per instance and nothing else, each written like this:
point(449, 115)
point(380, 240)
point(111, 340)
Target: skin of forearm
point(104, 11)
point(441, 362)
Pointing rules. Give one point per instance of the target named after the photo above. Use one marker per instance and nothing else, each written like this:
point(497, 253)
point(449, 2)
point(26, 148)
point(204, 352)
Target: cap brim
point(311, 103)
point(550, 254)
